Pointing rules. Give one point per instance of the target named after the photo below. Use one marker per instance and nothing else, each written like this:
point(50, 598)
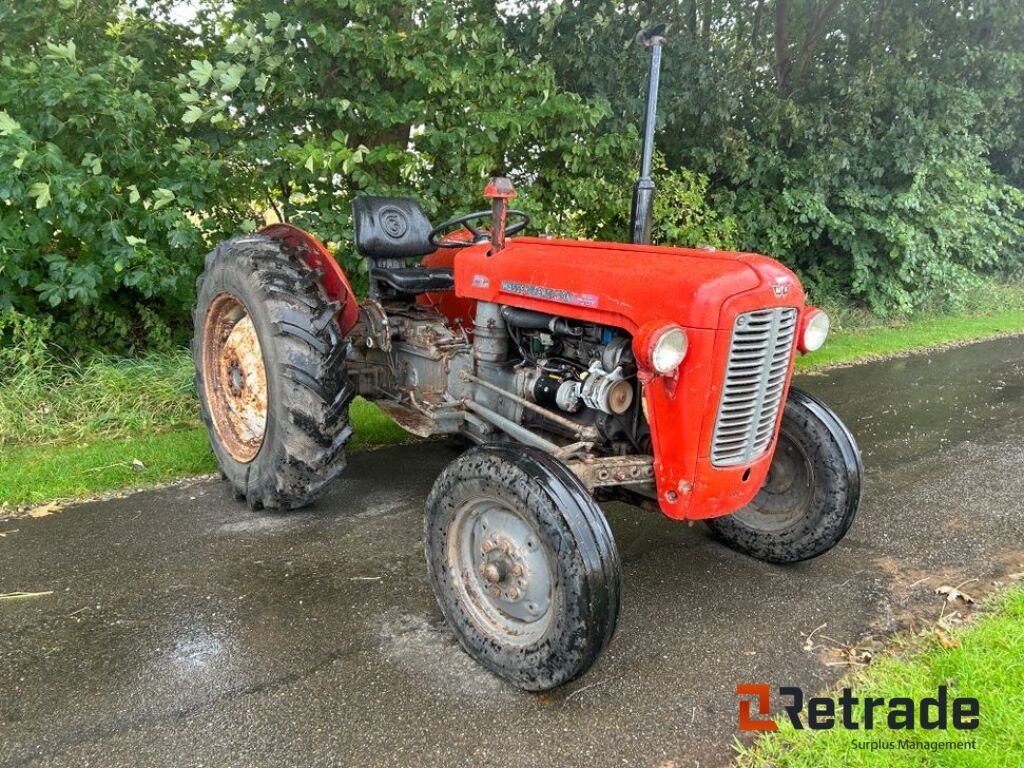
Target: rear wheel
point(811, 494)
point(270, 373)
point(523, 565)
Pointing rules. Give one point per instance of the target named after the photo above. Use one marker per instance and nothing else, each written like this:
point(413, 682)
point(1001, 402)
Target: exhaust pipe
point(643, 190)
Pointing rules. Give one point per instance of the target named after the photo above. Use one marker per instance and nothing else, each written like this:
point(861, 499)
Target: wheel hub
point(506, 573)
point(235, 377)
point(503, 571)
point(787, 490)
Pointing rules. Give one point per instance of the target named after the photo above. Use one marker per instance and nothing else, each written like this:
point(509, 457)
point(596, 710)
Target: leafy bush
point(105, 207)
point(872, 147)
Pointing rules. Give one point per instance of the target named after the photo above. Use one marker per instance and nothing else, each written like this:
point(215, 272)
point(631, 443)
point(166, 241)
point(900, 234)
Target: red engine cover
point(628, 286)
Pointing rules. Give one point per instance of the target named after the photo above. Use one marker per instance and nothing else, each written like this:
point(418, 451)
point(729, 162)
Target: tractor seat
point(391, 230)
point(415, 279)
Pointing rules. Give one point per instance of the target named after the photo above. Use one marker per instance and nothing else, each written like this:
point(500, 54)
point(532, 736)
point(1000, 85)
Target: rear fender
point(316, 255)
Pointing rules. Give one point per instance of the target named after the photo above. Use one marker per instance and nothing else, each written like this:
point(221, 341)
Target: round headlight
point(816, 328)
point(668, 350)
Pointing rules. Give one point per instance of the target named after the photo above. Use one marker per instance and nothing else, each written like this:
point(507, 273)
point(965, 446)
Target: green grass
point(60, 402)
point(32, 474)
point(860, 344)
point(987, 663)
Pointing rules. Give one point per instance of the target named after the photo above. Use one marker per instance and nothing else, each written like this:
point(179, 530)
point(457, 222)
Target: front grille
point(755, 377)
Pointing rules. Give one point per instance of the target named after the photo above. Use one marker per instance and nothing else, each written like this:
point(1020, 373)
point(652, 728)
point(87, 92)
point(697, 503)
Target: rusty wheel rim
point(235, 377)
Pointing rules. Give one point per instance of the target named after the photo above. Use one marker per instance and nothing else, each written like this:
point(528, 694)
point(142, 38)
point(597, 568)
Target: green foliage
point(875, 147)
point(595, 207)
point(866, 144)
point(403, 97)
point(24, 341)
point(105, 207)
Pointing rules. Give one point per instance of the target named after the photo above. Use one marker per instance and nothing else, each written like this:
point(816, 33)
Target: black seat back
point(390, 227)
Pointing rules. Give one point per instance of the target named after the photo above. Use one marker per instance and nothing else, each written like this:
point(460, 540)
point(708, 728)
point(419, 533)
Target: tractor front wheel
point(811, 494)
point(523, 565)
point(270, 373)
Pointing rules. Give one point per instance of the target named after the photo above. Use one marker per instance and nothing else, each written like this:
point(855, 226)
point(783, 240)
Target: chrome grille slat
point(759, 354)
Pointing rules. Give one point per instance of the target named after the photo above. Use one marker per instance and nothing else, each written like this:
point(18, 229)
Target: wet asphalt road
point(185, 630)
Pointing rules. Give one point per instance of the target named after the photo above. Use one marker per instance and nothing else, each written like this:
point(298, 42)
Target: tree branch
point(782, 61)
point(814, 35)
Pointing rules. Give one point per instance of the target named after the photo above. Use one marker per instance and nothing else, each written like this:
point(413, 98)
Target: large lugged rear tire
point(523, 565)
point(270, 373)
point(811, 494)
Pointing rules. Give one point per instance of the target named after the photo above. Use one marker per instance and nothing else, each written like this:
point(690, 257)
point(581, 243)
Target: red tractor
point(581, 371)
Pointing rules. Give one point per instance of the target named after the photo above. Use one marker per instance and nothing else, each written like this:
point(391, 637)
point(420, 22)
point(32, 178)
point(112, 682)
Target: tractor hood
point(621, 284)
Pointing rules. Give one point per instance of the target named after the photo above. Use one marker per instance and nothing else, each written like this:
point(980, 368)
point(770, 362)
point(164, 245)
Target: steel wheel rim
point(787, 490)
point(501, 570)
point(234, 377)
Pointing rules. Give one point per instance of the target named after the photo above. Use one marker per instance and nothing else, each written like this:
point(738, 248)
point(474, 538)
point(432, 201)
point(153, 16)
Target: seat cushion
point(416, 279)
point(390, 227)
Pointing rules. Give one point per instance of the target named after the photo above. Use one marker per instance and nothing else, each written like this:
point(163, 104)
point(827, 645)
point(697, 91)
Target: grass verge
point(984, 662)
point(861, 344)
point(32, 474)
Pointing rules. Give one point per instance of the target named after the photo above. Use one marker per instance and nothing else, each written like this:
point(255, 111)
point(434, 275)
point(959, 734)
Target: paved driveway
point(185, 630)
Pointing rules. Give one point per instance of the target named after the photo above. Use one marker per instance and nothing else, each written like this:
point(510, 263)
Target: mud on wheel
point(270, 373)
point(812, 492)
point(523, 565)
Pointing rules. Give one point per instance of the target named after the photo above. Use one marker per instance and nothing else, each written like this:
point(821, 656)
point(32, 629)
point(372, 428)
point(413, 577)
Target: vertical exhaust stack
point(643, 190)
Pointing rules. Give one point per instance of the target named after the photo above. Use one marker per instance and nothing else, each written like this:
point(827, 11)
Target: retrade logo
point(760, 692)
point(850, 712)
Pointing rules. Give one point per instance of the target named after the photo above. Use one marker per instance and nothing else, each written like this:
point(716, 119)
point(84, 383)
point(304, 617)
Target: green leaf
point(8, 124)
point(261, 83)
point(192, 114)
point(230, 79)
point(309, 165)
point(201, 72)
point(66, 52)
point(133, 241)
point(162, 197)
point(41, 192)
point(272, 20)
point(92, 162)
point(133, 194)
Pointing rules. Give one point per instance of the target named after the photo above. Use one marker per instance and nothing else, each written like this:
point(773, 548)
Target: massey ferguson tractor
point(578, 371)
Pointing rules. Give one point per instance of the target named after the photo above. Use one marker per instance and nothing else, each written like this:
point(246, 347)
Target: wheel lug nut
point(495, 591)
point(504, 546)
point(517, 570)
point(487, 546)
point(513, 594)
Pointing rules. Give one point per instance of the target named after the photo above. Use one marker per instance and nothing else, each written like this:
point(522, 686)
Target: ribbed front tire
point(812, 492)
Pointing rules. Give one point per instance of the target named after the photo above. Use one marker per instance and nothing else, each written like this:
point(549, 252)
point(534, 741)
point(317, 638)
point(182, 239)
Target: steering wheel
point(439, 235)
